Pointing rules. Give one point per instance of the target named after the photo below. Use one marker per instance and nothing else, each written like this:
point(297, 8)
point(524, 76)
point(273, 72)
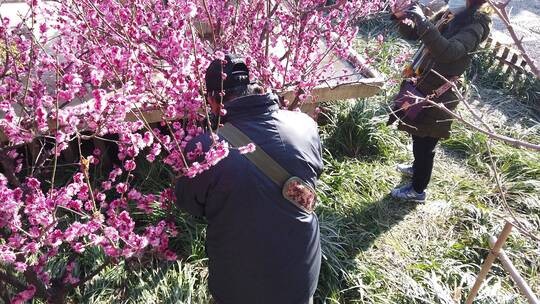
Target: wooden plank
point(514, 274)
point(504, 57)
point(365, 88)
point(489, 42)
point(342, 91)
point(514, 59)
point(497, 48)
point(512, 68)
point(522, 71)
point(486, 266)
point(494, 53)
point(362, 81)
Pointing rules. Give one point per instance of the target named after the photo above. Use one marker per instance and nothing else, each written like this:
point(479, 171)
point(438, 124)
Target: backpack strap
point(259, 157)
point(294, 189)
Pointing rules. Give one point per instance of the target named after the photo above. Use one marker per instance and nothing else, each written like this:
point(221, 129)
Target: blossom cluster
point(83, 70)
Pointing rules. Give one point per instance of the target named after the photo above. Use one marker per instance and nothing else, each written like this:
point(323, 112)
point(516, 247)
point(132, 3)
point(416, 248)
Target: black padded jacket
point(261, 248)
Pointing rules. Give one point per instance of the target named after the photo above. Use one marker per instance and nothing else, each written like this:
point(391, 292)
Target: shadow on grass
point(347, 233)
point(380, 217)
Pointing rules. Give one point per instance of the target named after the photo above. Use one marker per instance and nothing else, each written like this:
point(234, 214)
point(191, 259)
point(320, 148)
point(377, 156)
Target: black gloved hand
point(420, 20)
point(416, 14)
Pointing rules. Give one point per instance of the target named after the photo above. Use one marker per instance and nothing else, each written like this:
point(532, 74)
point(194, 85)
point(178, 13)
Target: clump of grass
point(153, 282)
point(519, 175)
point(354, 130)
point(519, 169)
point(516, 164)
point(354, 210)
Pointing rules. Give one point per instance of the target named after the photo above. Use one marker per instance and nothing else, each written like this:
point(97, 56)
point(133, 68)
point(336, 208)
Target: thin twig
point(57, 123)
point(211, 23)
point(509, 140)
point(506, 206)
point(85, 163)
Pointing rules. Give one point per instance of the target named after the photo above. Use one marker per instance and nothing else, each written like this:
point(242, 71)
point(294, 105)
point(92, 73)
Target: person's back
point(261, 247)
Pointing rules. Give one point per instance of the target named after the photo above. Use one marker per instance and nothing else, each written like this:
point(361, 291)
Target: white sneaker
point(405, 169)
point(407, 193)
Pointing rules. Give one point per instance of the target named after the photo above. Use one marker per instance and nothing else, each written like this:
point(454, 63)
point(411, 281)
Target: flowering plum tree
point(82, 70)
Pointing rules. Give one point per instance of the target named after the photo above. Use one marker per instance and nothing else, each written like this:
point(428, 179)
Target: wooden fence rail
point(506, 59)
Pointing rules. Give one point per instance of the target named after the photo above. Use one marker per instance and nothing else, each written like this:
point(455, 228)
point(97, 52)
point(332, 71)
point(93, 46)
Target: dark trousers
point(424, 153)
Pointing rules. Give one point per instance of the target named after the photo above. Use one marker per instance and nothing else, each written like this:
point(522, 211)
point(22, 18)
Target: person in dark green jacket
point(449, 49)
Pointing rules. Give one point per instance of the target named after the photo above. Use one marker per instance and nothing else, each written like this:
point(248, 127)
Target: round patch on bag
point(300, 193)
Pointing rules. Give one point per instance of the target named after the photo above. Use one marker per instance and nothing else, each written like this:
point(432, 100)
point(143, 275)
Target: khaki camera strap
point(294, 189)
point(259, 157)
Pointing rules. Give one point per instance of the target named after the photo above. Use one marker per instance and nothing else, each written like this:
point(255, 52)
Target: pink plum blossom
point(110, 62)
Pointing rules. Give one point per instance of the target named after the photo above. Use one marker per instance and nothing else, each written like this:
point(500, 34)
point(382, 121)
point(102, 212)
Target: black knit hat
point(235, 69)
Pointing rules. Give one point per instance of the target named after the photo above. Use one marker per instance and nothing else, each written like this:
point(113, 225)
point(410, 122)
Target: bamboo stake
point(518, 279)
point(489, 262)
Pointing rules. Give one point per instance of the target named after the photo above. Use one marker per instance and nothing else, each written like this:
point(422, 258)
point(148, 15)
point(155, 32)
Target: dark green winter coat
point(450, 53)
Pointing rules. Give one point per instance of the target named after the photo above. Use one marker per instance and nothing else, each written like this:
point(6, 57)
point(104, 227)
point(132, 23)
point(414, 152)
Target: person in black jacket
point(261, 247)
point(449, 51)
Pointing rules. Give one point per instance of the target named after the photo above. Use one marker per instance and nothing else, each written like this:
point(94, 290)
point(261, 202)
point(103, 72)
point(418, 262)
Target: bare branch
point(500, 9)
point(516, 222)
point(489, 132)
point(509, 140)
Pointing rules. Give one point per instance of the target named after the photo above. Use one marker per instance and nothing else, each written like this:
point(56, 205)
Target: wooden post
point(521, 74)
point(524, 65)
point(490, 44)
point(495, 53)
point(487, 44)
point(504, 62)
point(513, 68)
point(518, 279)
point(489, 262)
